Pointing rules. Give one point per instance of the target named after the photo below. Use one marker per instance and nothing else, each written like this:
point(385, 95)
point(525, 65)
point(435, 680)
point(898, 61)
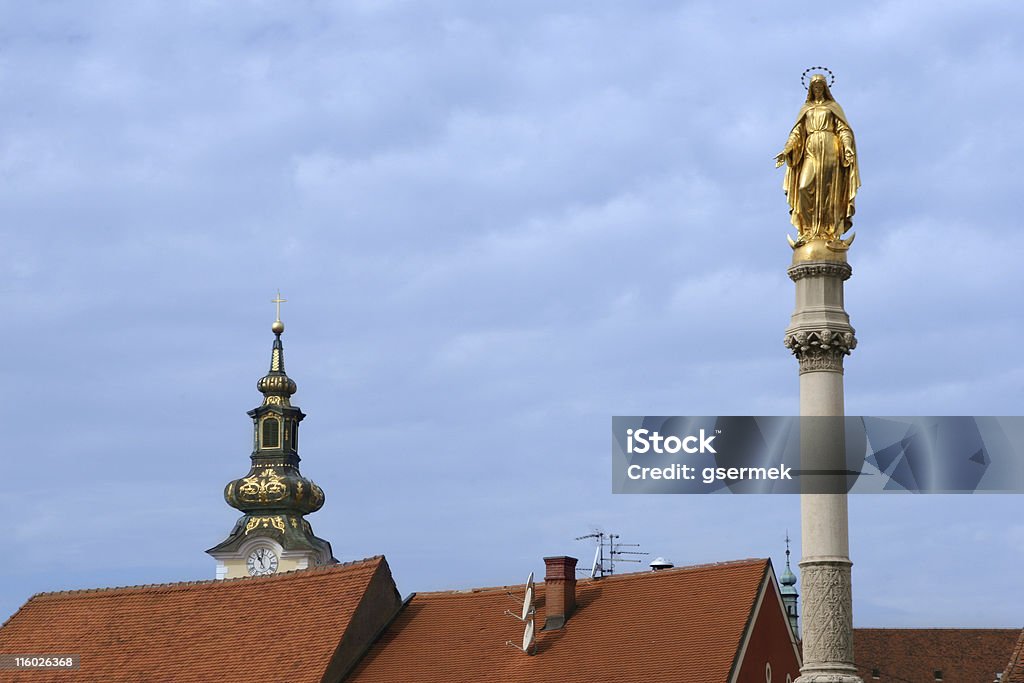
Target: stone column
point(820, 336)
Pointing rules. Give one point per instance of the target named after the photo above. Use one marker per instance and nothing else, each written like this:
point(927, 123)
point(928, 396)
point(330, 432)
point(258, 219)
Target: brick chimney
point(559, 590)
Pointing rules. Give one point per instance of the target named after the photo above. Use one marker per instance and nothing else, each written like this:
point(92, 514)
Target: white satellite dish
point(597, 563)
point(530, 633)
point(528, 599)
point(528, 610)
point(529, 636)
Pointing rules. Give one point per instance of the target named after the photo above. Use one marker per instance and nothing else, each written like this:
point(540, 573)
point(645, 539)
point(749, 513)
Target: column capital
point(821, 350)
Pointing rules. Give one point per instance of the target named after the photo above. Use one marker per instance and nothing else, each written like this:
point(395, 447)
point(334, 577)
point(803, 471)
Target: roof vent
point(661, 563)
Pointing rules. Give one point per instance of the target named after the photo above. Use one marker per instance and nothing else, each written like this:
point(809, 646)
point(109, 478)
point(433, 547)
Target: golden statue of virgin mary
point(821, 170)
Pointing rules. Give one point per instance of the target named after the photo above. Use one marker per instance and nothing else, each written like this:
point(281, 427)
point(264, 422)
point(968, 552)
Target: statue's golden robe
point(820, 185)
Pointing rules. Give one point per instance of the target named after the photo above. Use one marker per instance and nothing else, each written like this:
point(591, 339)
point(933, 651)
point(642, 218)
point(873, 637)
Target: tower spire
point(272, 534)
point(277, 353)
point(789, 594)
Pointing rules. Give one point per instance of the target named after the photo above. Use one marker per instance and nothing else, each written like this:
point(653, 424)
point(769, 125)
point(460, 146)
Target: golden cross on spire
point(278, 301)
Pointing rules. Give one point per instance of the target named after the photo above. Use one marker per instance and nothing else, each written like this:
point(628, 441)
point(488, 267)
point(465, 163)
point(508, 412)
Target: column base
point(827, 621)
point(844, 676)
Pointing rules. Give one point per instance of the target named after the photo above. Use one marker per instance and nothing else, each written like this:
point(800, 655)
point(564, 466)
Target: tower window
point(295, 436)
point(876, 674)
point(271, 433)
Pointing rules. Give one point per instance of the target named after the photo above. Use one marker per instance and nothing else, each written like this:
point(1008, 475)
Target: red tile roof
point(913, 655)
point(279, 628)
point(1014, 672)
point(683, 624)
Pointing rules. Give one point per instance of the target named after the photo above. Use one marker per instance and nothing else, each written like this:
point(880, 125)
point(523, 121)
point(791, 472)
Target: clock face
point(261, 562)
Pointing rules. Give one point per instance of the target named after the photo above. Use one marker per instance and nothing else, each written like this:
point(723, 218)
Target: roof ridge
point(455, 592)
point(686, 568)
point(937, 628)
point(292, 574)
point(16, 613)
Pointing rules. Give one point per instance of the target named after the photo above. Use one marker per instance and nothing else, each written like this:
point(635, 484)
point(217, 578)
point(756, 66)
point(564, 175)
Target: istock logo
point(653, 442)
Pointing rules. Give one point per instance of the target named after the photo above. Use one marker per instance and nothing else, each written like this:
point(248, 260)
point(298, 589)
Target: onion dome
point(274, 489)
point(788, 578)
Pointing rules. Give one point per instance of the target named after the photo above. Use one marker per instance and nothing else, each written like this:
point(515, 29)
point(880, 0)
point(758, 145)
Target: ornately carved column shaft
point(827, 615)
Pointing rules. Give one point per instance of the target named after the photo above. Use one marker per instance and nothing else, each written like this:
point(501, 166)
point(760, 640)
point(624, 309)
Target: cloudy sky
point(497, 225)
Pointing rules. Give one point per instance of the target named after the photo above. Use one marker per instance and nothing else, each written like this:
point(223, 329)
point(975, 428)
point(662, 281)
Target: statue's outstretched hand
point(780, 159)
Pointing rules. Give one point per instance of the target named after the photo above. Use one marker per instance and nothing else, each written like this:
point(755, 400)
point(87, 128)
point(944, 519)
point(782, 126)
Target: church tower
point(272, 534)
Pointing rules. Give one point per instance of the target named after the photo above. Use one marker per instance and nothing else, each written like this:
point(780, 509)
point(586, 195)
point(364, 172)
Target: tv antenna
point(609, 548)
point(597, 569)
point(526, 615)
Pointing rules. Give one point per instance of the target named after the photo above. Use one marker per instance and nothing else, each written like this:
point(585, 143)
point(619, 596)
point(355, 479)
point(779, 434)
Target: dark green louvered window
point(271, 437)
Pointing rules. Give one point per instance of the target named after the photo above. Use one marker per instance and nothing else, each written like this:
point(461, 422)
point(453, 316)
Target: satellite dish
point(660, 563)
point(530, 633)
point(597, 563)
point(529, 636)
point(528, 599)
point(528, 610)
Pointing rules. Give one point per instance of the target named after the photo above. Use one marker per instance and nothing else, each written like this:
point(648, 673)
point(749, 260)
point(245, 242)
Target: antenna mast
point(609, 548)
